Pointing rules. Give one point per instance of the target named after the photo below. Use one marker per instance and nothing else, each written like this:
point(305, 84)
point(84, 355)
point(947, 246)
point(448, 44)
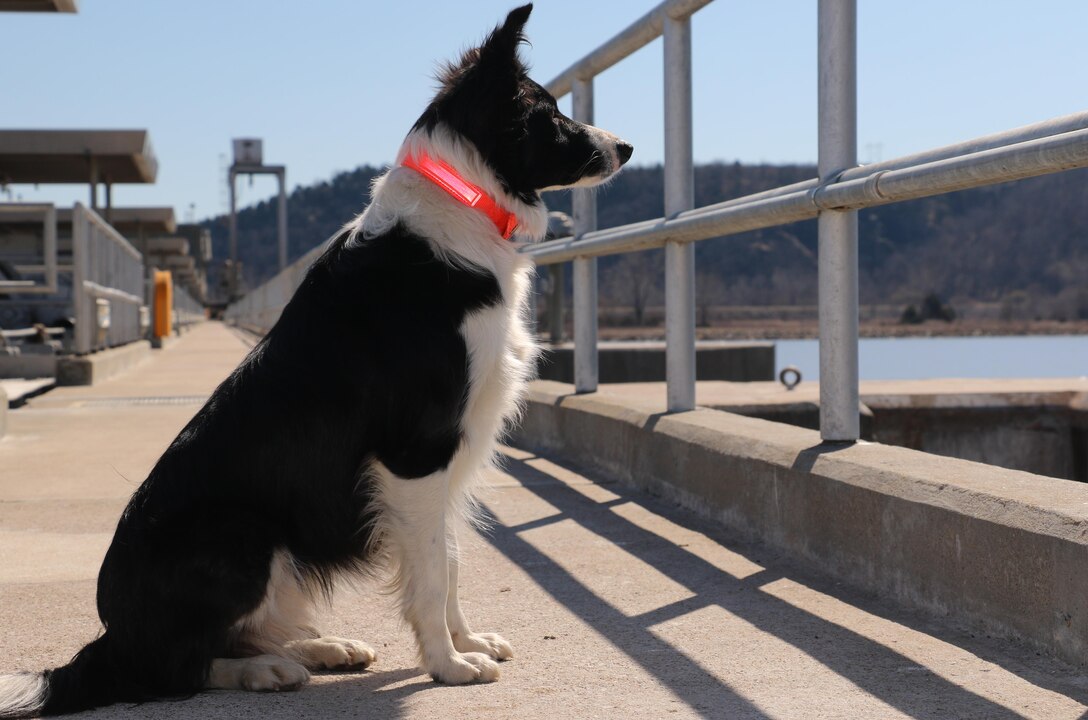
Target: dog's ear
point(502, 44)
point(486, 76)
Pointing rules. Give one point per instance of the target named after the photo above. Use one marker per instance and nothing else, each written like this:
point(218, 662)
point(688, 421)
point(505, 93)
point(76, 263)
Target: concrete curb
point(1036, 425)
point(99, 366)
point(28, 365)
point(1003, 549)
point(621, 362)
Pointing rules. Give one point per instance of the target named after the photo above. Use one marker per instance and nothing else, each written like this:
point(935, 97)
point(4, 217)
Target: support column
point(94, 181)
point(232, 281)
point(82, 307)
point(838, 231)
point(281, 218)
point(109, 200)
point(679, 196)
point(556, 300)
point(584, 205)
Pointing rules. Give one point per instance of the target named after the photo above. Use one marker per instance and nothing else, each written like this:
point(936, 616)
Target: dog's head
point(513, 122)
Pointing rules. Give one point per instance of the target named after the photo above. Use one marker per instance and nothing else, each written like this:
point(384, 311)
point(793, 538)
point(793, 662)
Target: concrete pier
point(1036, 425)
point(617, 604)
point(1001, 550)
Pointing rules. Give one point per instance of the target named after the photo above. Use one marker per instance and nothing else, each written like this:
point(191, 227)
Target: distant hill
point(314, 212)
point(1024, 243)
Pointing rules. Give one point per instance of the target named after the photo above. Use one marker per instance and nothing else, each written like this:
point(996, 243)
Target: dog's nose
point(624, 150)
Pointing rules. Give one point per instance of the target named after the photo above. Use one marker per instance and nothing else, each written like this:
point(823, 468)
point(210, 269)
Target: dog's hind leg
point(414, 532)
point(283, 626)
point(463, 638)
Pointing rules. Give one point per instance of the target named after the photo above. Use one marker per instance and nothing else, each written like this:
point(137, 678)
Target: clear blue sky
point(332, 84)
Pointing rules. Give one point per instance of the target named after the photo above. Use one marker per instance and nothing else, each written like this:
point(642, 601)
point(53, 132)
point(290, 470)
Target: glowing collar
point(463, 191)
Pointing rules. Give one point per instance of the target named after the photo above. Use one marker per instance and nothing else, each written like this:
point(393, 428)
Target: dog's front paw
point(333, 653)
point(263, 673)
point(462, 668)
point(490, 644)
point(273, 675)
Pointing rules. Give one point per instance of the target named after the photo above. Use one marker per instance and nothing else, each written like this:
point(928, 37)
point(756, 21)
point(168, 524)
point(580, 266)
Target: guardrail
point(35, 332)
point(259, 309)
point(833, 198)
point(841, 188)
point(45, 213)
point(107, 284)
point(187, 310)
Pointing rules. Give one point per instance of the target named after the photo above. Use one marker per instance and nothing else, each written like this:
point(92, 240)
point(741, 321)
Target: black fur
point(367, 361)
point(526, 141)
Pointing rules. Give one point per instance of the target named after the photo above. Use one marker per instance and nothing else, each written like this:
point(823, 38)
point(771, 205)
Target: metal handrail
point(672, 20)
point(803, 201)
point(18, 333)
point(107, 282)
point(834, 197)
point(637, 35)
point(187, 309)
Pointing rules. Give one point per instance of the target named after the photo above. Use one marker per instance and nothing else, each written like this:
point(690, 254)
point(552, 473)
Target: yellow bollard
point(164, 303)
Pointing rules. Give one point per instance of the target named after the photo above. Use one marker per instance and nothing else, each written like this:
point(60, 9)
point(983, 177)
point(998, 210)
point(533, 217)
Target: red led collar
point(463, 191)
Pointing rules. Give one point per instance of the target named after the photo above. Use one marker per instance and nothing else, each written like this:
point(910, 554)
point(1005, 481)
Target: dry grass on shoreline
point(763, 329)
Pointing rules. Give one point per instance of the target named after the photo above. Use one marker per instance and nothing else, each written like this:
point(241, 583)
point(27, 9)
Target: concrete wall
point(259, 310)
point(28, 362)
point(1045, 440)
point(1001, 549)
point(1039, 426)
point(645, 361)
point(102, 365)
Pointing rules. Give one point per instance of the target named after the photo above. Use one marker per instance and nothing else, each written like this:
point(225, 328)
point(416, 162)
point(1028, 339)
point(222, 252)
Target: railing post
point(281, 219)
point(557, 298)
point(584, 205)
point(838, 231)
point(232, 279)
point(50, 249)
point(80, 301)
point(679, 196)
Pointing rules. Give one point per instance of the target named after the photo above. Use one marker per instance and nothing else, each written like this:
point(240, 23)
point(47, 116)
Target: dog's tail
point(82, 684)
point(22, 695)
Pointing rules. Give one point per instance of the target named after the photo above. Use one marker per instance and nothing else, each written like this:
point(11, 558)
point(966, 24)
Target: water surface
point(920, 358)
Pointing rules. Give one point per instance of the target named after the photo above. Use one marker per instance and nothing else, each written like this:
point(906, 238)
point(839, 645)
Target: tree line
point(1023, 245)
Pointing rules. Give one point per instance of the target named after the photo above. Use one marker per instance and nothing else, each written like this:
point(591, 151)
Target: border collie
point(356, 433)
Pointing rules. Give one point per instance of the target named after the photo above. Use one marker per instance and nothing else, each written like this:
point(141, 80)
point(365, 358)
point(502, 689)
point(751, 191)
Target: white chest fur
point(501, 353)
point(501, 357)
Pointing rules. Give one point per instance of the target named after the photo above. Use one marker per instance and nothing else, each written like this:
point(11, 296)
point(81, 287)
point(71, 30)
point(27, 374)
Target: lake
point(919, 358)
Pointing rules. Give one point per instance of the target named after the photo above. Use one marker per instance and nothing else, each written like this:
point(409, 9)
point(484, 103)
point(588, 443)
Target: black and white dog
point(355, 434)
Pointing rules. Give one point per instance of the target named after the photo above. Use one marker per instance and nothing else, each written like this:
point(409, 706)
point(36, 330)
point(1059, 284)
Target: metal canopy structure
point(77, 156)
point(64, 6)
point(136, 223)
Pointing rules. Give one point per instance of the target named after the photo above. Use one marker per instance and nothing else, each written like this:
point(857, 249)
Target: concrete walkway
point(616, 605)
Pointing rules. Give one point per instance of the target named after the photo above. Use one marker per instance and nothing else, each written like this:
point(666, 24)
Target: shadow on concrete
point(651, 422)
point(333, 695)
point(866, 663)
point(806, 459)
